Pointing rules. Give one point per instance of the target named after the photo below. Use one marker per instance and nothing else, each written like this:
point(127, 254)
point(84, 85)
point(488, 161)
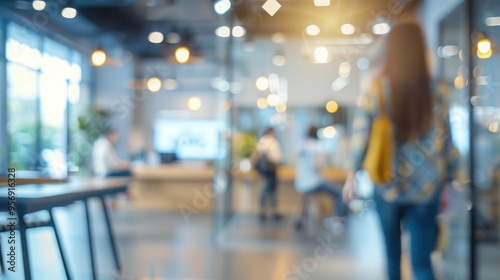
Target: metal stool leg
point(2, 264)
point(110, 233)
point(59, 244)
point(24, 247)
point(91, 243)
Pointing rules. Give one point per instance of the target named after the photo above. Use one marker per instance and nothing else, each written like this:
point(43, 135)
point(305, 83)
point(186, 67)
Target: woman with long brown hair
point(424, 157)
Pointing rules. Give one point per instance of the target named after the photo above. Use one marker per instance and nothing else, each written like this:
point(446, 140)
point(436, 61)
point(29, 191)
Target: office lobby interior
point(187, 89)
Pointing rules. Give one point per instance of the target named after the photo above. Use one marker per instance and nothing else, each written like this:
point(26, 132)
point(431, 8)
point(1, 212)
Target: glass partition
point(453, 66)
point(485, 78)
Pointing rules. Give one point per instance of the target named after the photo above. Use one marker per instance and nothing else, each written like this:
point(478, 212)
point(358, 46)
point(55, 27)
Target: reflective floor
point(161, 244)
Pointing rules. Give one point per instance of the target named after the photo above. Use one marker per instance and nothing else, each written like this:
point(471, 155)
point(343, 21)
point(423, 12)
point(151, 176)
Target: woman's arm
point(348, 190)
point(358, 145)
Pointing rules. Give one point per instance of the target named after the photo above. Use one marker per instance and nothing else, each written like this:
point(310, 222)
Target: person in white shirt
point(308, 178)
point(269, 147)
point(105, 160)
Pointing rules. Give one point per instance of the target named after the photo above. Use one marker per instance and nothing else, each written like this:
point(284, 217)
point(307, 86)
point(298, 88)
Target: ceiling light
point(173, 38)
point(329, 132)
point(321, 55)
point(239, 31)
point(312, 30)
point(223, 31)
point(271, 7)
point(274, 82)
point(484, 45)
point(279, 60)
point(347, 29)
point(182, 54)
point(381, 28)
point(153, 84)
point(321, 3)
point(344, 69)
point(363, 63)
point(493, 127)
point(484, 48)
point(39, 5)
point(170, 84)
point(484, 55)
point(459, 82)
point(332, 107)
point(262, 83)
point(224, 86)
point(493, 21)
point(273, 99)
point(69, 12)
point(262, 103)
point(478, 71)
point(280, 108)
point(155, 37)
point(278, 38)
point(448, 51)
point(98, 57)
point(222, 6)
point(194, 103)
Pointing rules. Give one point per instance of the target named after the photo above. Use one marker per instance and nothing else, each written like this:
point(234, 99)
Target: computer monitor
point(188, 138)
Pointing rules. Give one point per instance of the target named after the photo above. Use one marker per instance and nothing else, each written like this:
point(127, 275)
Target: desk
point(32, 198)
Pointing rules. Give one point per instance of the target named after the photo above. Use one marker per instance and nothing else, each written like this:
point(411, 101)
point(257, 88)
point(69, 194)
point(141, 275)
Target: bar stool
point(33, 220)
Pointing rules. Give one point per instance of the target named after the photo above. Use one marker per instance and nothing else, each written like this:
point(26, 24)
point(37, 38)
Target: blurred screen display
point(187, 138)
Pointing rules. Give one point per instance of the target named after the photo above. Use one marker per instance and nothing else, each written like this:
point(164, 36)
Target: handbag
point(379, 154)
point(264, 166)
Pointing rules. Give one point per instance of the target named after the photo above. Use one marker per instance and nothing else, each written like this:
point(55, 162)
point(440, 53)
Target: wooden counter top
point(179, 172)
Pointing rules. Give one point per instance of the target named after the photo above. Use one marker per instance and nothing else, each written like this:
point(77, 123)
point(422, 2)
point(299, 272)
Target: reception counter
point(175, 186)
point(184, 172)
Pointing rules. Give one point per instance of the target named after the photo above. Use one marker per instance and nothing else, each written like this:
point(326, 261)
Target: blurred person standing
point(105, 160)
point(308, 178)
point(424, 158)
point(268, 158)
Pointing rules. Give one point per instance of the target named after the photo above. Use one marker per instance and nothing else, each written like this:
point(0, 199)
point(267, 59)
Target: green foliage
point(244, 145)
point(91, 124)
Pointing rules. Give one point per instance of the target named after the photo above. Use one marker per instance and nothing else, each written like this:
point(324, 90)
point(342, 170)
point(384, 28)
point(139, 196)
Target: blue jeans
point(269, 191)
point(419, 220)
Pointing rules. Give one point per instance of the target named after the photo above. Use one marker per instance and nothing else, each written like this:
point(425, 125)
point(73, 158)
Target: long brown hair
point(406, 68)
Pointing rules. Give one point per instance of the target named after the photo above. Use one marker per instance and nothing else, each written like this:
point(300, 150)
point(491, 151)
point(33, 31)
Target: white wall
point(193, 80)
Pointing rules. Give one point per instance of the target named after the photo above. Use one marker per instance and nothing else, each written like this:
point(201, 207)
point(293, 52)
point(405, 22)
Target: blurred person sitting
point(268, 157)
point(308, 179)
point(105, 160)
point(424, 157)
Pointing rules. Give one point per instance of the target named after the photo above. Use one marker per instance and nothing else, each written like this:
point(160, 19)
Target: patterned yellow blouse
point(420, 166)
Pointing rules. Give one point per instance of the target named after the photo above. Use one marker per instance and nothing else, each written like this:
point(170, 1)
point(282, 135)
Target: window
point(45, 83)
point(22, 116)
